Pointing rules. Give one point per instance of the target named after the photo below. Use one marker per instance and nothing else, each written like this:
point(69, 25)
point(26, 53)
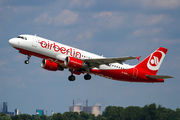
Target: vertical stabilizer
point(151, 64)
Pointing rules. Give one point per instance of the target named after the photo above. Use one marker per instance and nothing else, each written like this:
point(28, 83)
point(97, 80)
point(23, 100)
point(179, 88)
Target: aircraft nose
point(12, 42)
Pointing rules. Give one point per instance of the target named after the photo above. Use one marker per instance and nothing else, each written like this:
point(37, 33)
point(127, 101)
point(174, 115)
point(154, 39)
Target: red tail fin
point(151, 64)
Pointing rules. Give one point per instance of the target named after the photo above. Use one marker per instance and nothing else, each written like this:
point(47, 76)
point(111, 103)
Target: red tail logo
point(151, 64)
point(155, 60)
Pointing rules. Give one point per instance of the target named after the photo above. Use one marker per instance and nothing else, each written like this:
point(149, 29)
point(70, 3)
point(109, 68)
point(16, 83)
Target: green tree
point(113, 113)
point(100, 117)
point(22, 117)
point(83, 115)
point(132, 113)
point(150, 112)
point(178, 113)
point(43, 117)
point(35, 117)
point(71, 115)
point(57, 116)
point(4, 116)
point(91, 116)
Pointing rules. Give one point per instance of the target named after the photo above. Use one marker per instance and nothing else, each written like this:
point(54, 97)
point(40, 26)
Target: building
point(75, 108)
point(39, 112)
point(17, 111)
point(71, 108)
point(96, 110)
point(5, 109)
point(87, 109)
point(52, 112)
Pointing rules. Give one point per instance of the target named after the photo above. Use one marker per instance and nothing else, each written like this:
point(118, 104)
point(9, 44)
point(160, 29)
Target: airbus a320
point(56, 56)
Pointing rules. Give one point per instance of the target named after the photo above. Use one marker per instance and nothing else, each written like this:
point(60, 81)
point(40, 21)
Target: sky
point(115, 28)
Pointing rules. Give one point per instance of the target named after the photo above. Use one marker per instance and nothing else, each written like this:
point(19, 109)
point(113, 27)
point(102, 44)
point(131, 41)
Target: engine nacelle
point(51, 66)
point(73, 62)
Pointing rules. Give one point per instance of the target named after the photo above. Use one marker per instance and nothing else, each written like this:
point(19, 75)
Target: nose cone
point(12, 42)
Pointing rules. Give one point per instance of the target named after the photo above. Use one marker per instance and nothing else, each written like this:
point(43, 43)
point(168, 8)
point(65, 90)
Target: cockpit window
point(22, 37)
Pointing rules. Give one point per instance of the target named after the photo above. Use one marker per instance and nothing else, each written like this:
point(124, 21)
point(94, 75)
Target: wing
point(158, 76)
point(99, 61)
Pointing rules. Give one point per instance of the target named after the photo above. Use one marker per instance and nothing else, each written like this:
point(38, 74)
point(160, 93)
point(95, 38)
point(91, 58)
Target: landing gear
point(71, 77)
point(27, 61)
point(87, 77)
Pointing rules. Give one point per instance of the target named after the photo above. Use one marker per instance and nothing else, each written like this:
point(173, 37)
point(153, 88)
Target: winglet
point(138, 57)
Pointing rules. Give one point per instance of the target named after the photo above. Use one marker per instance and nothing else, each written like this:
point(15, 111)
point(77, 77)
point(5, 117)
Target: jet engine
point(74, 63)
point(51, 66)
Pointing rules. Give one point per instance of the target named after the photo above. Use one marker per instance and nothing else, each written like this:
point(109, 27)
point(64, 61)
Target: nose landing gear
point(27, 61)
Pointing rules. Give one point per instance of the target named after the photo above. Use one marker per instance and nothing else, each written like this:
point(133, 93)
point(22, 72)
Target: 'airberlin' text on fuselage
point(57, 48)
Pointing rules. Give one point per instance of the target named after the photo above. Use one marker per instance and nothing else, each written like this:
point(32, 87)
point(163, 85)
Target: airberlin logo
point(56, 48)
point(155, 60)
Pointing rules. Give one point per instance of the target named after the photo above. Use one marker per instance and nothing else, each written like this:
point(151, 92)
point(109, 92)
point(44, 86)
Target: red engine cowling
point(51, 66)
point(73, 62)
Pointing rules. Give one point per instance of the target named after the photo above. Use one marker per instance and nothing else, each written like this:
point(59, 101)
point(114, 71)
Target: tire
point(26, 61)
point(87, 77)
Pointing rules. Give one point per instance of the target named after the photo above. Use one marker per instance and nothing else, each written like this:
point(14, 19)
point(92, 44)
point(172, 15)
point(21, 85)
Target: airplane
point(56, 56)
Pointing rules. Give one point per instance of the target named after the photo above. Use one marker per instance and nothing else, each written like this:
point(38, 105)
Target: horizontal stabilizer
point(158, 76)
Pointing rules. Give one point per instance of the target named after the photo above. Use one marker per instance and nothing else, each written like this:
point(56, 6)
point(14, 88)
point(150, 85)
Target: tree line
point(148, 112)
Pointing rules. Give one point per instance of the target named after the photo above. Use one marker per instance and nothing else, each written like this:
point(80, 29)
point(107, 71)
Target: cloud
point(66, 17)
point(172, 41)
point(146, 32)
point(114, 20)
point(2, 63)
point(109, 19)
point(13, 81)
point(149, 20)
point(21, 9)
point(88, 34)
point(82, 3)
point(166, 41)
point(167, 4)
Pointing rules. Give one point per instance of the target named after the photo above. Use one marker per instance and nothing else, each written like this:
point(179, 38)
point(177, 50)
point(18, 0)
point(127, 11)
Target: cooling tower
point(96, 110)
point(77, 108)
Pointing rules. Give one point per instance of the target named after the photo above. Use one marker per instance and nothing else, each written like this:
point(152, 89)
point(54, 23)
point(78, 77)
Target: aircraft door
point(135, 72)
point(34, 43)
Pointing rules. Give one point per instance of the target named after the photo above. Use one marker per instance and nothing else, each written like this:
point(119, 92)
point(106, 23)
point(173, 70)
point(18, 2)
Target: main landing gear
point(72, 77)
point(27, 61)
point(87, 76)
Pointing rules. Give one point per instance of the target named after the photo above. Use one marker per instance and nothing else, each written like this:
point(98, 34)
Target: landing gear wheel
point(71, 78)
point(26, 61)
point(87, 77)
